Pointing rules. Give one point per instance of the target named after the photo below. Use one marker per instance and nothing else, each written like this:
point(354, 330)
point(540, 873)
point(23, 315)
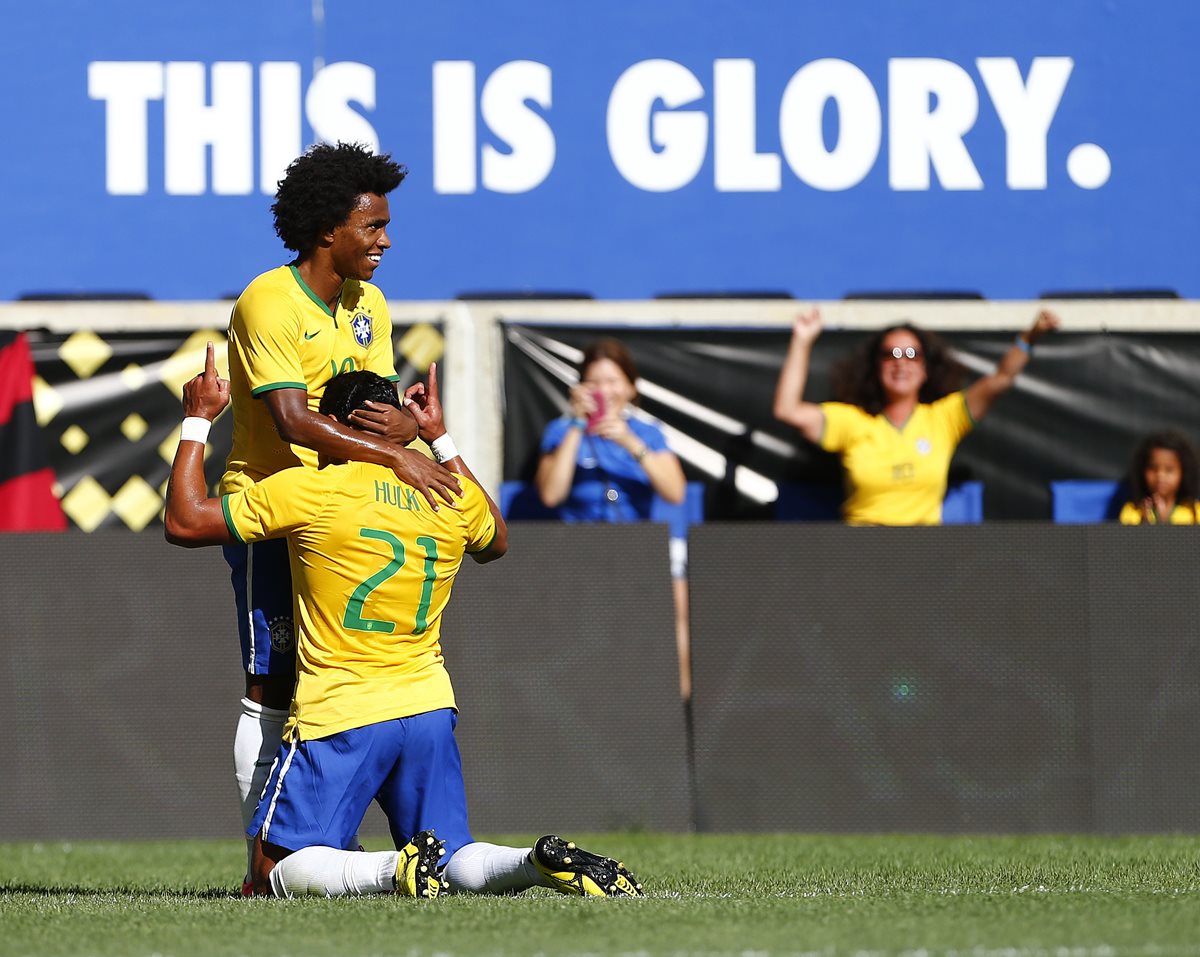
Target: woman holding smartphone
point(602, 462)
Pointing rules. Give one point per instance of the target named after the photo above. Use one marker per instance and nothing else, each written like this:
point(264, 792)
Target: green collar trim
point(308, 292)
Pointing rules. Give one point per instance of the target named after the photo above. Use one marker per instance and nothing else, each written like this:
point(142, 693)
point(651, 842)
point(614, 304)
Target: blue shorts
point(319, 790)
point(262, 592)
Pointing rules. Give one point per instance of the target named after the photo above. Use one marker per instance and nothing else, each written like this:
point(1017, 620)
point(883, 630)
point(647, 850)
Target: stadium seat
point(963, 504)
point(807, 502)
point(519, 501)
point(799, 502)
point(1083, 501)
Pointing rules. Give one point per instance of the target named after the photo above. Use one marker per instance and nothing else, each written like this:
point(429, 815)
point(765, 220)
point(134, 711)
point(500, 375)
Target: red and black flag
point(27, 502)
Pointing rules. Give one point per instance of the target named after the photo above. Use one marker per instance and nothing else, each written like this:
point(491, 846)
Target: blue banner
point(624, 150)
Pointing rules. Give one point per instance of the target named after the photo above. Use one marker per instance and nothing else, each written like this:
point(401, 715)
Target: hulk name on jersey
point(372, 566)
point(282, 336)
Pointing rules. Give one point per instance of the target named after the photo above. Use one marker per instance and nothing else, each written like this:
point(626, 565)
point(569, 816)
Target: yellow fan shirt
point(282, 336)
point(372, 568)
point(896, 476)
point(1131, 514)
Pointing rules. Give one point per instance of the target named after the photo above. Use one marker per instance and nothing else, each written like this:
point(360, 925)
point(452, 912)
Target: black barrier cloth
point(110, 405)
point(1007, 678)
point(1078, 410)
point(120, 708)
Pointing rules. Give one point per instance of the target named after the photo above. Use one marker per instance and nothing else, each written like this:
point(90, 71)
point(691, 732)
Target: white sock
point(259, 731)
point(481, 868)
point(328, 872)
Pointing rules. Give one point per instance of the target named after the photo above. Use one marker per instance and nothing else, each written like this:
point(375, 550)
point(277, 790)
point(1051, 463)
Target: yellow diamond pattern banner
point(110, 406)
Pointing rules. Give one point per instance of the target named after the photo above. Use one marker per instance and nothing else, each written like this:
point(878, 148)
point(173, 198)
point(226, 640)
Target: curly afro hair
point(856, 379)
point(321, 188)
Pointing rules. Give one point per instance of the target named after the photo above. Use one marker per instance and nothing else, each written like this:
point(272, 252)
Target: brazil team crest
point(361, 326)
point(282, 633)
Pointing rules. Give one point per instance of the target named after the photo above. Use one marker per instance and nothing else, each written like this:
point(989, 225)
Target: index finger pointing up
point(210, 361)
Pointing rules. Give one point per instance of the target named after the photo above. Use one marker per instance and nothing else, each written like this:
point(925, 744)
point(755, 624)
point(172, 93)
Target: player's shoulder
point(328, 477)
point(470, 488)
point(267, 289)
point(273, 281)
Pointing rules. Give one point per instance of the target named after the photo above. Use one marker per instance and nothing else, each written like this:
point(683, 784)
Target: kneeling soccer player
point(373, 713)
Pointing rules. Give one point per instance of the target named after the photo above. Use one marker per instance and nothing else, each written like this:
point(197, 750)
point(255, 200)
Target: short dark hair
point(353, 390)
point(1175, 442)
point(856, 378)
point(321, 188)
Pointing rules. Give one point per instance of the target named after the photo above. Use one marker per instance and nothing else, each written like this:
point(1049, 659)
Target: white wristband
point(194, 429)
point(443, 448)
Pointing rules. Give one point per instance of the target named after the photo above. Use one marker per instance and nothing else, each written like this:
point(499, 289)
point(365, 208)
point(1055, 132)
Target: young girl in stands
point(1163, 482)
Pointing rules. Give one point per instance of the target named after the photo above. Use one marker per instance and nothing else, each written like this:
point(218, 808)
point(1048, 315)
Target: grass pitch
point(710, 895)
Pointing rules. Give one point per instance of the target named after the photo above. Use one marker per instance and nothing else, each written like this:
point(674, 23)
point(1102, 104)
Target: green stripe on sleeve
point(272, 386)
point(229, 519)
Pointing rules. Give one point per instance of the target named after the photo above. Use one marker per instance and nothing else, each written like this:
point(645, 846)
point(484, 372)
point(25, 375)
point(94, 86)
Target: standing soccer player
point(294, 329)
point(373, 713)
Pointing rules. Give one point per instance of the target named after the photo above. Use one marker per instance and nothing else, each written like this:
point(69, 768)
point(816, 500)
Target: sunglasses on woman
point(896, 352)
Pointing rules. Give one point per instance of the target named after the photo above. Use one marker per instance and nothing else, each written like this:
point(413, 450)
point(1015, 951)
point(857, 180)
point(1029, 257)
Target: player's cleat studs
point(416, 867)
point(572, 870)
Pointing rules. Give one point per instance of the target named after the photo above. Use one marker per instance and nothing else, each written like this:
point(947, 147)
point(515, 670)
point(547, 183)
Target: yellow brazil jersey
point(372, 568)
point(282, 336)
point(896, 476)
point(1131, 514)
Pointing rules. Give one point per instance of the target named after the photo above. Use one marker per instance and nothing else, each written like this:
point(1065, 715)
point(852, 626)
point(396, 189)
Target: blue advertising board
point(622, 150)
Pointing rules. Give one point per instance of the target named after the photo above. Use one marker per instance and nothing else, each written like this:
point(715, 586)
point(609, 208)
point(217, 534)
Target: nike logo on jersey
point(312, 335)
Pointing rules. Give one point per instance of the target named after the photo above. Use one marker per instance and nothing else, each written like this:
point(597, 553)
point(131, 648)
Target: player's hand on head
point(207, 394)
point(427, 477)
point(389, 423)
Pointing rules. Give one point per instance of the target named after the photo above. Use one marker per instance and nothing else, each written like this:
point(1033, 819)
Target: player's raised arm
point(192, 518)
point(426, 407)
